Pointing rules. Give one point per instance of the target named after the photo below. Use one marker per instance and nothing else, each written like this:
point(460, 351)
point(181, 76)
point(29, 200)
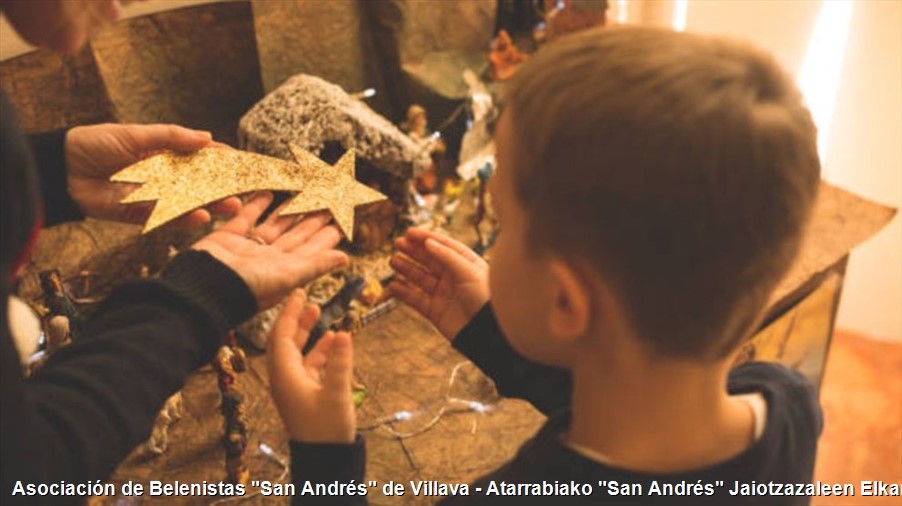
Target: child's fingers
point(410, 295)
point(287, 323)
point(451, 259)
point(339, 365)
point(306, 267)
point(305, 322)
point(414, 272)
point(317, 357)
point(282, 351)
point(417, 250)
point(452, 244)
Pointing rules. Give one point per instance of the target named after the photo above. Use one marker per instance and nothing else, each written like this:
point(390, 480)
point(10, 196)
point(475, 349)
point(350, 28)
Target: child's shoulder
point(768, 374)
point(789, 394)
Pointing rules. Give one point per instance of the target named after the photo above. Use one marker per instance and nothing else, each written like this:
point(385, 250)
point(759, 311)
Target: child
point(652, 188)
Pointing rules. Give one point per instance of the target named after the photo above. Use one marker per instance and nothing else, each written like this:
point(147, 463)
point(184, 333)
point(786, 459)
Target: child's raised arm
point(441, 278)
point(312, 393)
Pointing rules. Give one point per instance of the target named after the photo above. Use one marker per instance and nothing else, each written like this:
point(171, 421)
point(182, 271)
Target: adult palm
point(290, 253)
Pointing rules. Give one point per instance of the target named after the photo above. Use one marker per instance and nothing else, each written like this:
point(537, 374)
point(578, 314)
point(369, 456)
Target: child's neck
point(656, 416)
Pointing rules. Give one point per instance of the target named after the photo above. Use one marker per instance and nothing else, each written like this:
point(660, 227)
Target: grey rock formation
point(310, 112)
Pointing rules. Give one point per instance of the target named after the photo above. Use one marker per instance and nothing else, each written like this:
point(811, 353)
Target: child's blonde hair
point(684, 168)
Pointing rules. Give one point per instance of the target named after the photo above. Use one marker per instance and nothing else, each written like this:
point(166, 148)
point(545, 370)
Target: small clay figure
point(415, 123)
point(159, 435)
point(227, 365)
point(505, 57)
point(235, 439)
point(229, 361)
point(334, 310)
point(58, 300)
point(484, 174)
point(58, 333)
point(239, 358)
point(416, 126)
point(568, 16)
point(373, 292)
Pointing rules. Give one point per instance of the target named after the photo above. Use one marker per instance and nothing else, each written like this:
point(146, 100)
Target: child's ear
point(571, 304)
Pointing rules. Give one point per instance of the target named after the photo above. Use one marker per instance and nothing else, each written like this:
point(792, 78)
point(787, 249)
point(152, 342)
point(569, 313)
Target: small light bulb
point(403, 416)
point(477, 406)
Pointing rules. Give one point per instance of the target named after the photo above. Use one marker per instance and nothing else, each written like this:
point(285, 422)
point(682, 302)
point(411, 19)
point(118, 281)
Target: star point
point(337, 190)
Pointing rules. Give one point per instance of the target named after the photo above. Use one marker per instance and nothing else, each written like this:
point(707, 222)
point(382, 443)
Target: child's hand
point(441, 278)
point(312, 393)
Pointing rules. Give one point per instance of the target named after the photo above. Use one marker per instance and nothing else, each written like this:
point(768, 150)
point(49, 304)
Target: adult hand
point(290, 253)
point(441, 278)
point(95, 152)
point(312, 393)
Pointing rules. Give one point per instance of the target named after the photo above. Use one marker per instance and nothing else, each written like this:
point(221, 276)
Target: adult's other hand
point(95, 152)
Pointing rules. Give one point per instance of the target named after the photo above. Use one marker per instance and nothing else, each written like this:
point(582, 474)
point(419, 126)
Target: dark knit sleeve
point(49, 151)
point(335, 465)
point(96, 399)
point(481, 340)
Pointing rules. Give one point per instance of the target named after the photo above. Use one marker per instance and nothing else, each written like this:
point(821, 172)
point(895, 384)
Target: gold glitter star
point(182, 183)
point(334, 188)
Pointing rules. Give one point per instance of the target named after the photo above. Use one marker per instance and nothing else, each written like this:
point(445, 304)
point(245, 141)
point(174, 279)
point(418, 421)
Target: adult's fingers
point(134, 213)
point(245, 219)
point(305, 268)
point(149, 138)
point(275, 225)
point(225, 207)
point(339, 365)
point(197, 217)
point(303, 230)
point(324, 239)
point(193, 219)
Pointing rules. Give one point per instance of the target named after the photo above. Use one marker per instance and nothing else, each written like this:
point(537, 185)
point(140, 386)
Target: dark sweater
point(784, 454)
point(95, 400)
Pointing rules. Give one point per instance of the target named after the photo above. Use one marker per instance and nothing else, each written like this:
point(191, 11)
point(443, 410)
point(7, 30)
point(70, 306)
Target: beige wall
point(12, 45)
point(864, 153)
point(865, 156)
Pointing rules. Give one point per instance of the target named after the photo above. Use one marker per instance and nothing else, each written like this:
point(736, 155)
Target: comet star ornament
point(181, 183)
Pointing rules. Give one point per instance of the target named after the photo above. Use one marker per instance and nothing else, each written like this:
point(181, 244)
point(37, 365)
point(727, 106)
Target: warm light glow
point(820, 72)
point(622, 11)
point(680, 9)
